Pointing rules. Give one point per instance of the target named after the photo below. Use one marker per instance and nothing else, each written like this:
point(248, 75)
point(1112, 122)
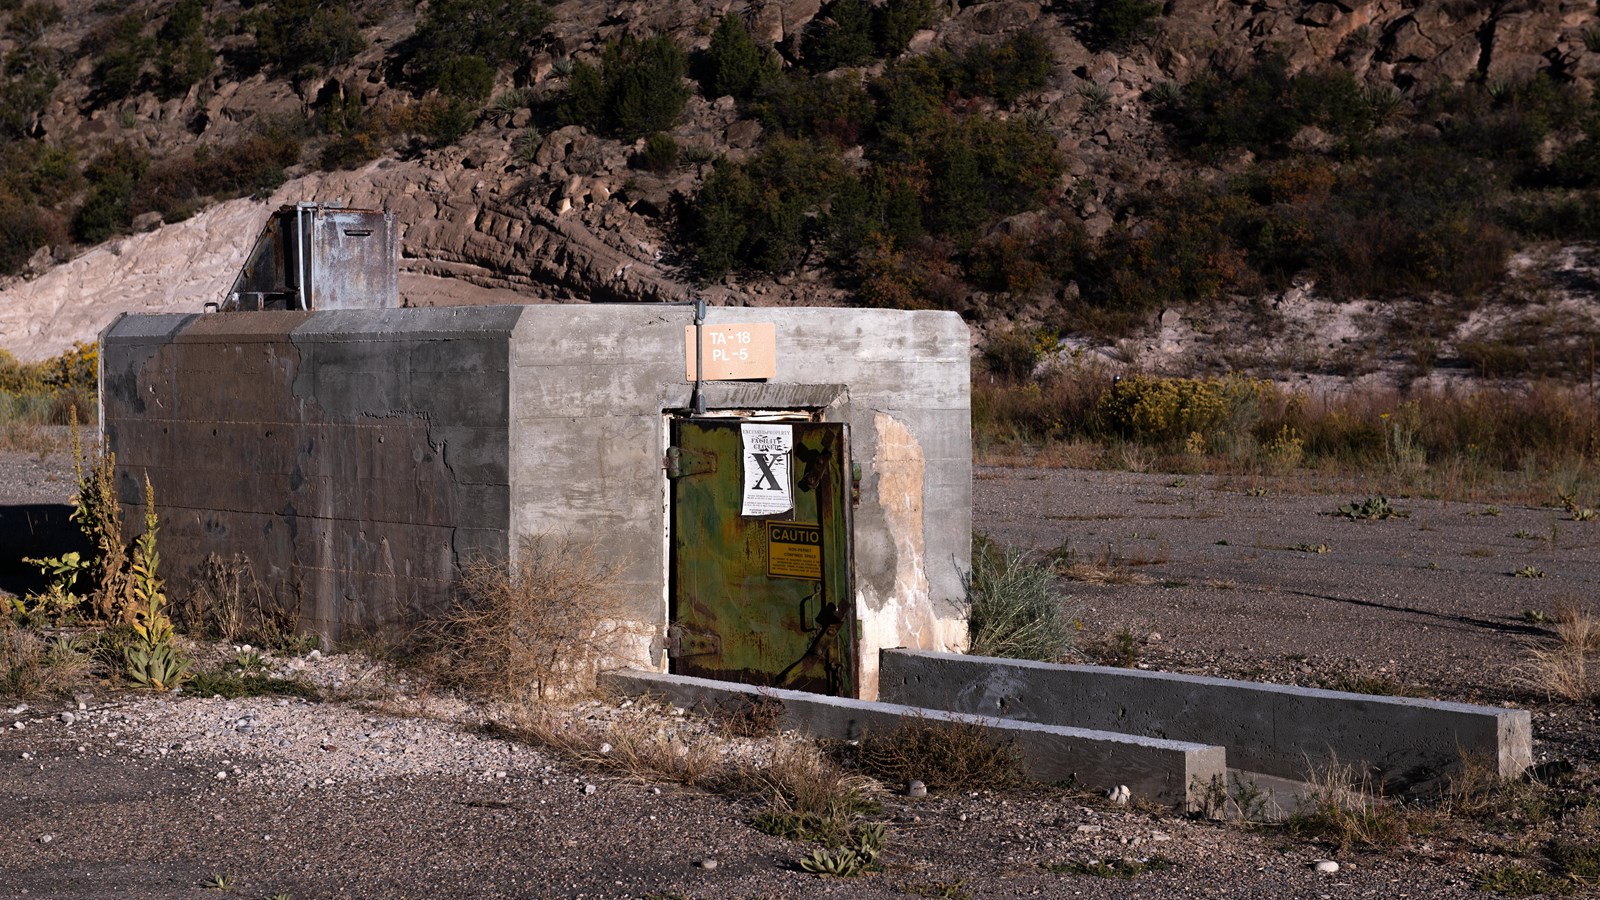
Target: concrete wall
point(356, 456)
point(1271, 729)
point(352, 457)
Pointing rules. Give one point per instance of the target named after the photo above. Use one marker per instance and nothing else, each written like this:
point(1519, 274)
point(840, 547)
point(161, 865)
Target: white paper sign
point(766, 469)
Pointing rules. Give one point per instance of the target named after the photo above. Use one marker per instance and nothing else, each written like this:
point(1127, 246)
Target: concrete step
point(1402, 744)
point(1169, 772)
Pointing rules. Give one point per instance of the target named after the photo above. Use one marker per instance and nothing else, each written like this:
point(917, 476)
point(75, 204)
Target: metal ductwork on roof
point(314, 256)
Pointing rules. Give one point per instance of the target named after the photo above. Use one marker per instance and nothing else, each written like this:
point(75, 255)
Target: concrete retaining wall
point(1155, 770)
point(1270, 729)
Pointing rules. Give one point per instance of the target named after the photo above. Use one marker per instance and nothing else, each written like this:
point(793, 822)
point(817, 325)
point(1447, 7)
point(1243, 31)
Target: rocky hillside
point(1359, 177)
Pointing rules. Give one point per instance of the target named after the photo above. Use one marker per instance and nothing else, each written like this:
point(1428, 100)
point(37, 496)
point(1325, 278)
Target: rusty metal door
point(759, 595)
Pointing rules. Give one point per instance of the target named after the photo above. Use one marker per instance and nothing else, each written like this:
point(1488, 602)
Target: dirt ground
point(128, 795)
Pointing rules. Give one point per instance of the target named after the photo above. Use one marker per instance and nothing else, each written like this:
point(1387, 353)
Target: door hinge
point(681, 463)
point(681, 643)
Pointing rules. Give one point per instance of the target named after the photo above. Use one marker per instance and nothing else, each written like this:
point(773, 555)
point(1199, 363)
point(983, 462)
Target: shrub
point(981, 168)
point(944, 755)
point(660, 153)
point(1012, 607)
point(1019, 65)
point(835, 108)
point(734, 65)
point(297, 35)
point(24, 228)
point(1115, 23)
point(467, 78)
point(1014, 354)
point(185, 57)
point(112, 178)
point(25, 87)
point(494, 31)
point(1167, 411)
point(841, 36)
point(897, 21)
point(541, 624)
point(177, 187)
point(29, 21)
point(763, 214)
point(1184, 251)
point(1263, 108)
point(638, 88)
point(121, 50)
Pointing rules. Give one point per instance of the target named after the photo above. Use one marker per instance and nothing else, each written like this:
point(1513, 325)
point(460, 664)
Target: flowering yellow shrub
point(1173, 410)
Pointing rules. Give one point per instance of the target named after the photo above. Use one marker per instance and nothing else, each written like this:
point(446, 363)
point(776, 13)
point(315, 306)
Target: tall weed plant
point(1013, 606)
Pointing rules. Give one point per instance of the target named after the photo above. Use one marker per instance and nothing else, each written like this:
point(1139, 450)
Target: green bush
point(837, 109)
point(637, 88)
point(24, 228)
point(1507, 122)
point(660, 153)
point(121, 50)
point(897, 21)
point(1262, 109)
point(177, 187)
point(840, 36)
point(112, 177)
point(29, 21)
point(493, 31)
point(763, 214)
point(293, 36)
point(1019, 65)
point(1115, 23)
point(734, 65)
point(185, 57)
point(982, 168)
point(467, 78)
point(26, 84)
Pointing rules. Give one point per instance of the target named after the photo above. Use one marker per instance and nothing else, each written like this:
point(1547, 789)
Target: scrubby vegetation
point(1514, 438)
point(638, 87)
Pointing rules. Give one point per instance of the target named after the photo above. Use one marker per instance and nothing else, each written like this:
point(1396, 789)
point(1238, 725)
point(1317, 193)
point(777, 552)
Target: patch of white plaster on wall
point(906, 617)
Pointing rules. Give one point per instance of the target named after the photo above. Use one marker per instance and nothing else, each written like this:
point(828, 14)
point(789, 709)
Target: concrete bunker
point(358, 456)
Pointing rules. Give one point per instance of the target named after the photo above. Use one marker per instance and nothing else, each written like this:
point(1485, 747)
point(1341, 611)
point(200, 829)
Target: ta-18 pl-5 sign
point(732, 352)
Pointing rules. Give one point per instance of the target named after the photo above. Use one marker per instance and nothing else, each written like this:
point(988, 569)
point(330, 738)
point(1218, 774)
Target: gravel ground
point(398, 791)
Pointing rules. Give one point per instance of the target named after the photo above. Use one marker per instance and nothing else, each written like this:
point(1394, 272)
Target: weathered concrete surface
point(353, 458)
point(358, 456)
point(1154, 769)
point(1272, 729)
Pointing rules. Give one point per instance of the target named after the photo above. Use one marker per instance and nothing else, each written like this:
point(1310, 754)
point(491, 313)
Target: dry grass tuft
point(944, 755)
point(1559, 666)
point(637, 742)
point(1343, 808)
point(541, 625)
point(30, 665)
point(808, 796)
point(805, 794)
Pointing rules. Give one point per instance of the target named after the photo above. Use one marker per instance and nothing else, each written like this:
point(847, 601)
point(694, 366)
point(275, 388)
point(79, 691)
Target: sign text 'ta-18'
point(733, 352)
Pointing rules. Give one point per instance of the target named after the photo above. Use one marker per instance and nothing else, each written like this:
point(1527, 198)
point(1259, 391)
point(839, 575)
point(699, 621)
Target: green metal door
point(762, 594)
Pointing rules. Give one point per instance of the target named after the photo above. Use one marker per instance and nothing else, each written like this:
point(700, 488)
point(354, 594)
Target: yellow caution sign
point(794, 551)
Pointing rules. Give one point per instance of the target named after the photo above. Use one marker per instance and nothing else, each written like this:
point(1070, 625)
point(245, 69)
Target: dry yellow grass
point(1559, 665)
point(541, 625)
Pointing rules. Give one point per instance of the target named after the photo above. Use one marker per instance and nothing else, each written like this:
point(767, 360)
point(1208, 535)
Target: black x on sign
point(767, 454)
